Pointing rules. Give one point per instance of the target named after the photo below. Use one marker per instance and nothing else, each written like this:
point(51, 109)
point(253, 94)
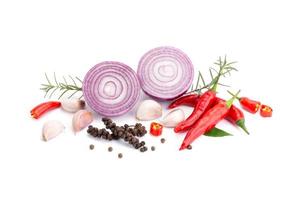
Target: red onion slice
point(165, 73)
point(111, 88)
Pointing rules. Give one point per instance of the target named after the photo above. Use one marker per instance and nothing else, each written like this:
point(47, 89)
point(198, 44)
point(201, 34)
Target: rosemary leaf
point(47, 79)
point(61, 87)
point(78, 79)
point(73, 80)
point(198, 79)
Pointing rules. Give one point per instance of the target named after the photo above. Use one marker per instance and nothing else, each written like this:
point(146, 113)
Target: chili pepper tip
point(33, 116)
point(183, 146)
point(241, 124)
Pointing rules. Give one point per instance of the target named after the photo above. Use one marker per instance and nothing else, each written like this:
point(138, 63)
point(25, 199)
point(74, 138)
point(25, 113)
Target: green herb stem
point(61, 88)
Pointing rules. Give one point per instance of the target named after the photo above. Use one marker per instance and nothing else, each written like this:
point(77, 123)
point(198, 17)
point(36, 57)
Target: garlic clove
point(81, 119)
point(149, 110)
point(72, 105)
point(173, 118)
point(51, 129)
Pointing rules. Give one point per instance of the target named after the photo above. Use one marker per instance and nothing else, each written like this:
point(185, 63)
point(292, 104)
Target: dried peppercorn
point(110, 149)
point(120, 155)
point(92, 147)
point(127, 133)
point(143, 149)
point(162, 140)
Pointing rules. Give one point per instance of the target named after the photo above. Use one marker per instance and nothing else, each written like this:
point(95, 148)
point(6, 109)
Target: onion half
point(165, 72)
point(111, 88)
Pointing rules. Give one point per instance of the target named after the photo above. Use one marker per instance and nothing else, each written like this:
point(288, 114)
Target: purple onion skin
point(176, 54)
point(103, 106)
point(164, 99)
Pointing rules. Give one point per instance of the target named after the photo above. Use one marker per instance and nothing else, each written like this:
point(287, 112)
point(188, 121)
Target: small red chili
point(266, 111)
point(156, 129)
point(187, 100)
point(249, 105)
point(42, 108)
point(235, 116)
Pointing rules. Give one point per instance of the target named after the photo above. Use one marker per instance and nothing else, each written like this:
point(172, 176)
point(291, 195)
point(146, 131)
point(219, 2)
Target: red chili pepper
point(266, 111)
point(156, 129)
point(235, 116)
point(42, 108)
point(249, 105)
point(204, 101)
point(187, 100)
point(208, 121)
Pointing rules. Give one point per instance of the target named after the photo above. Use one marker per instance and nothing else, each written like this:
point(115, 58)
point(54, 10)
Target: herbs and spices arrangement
point(112, 88)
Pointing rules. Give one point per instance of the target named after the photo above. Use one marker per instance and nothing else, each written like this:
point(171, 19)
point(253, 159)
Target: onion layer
point(111, 88)
point(165, 73)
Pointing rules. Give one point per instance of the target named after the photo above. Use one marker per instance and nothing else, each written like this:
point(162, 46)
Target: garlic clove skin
point(149, 110)
point(51, 129)
point(72, 105)
point(81, 120)
point(173, 118)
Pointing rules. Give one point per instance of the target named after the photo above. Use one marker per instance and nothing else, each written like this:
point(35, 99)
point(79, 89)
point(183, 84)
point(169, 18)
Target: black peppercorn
point(92, 147)
point(127, 133)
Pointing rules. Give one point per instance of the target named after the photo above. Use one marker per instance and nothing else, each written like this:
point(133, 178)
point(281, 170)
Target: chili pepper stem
point(238, 98)
point(230, 101)
point(241, 123)
point(214, 88)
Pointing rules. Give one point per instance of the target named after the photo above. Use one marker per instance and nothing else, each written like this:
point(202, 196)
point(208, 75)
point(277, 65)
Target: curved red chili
point(208, 121)
point(187, 100)
point(42, 108)
point(204, 101)
point(235, 116)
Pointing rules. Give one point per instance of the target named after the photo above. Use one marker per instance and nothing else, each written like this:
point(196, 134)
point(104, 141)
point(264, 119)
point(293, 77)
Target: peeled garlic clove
point(72, 105)
point(173, 118)
point(81, 119)
point(51, 129)
point(149, 110)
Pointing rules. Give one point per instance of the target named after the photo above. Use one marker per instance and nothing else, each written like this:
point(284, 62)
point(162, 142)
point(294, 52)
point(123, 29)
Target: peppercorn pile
point(129, 134)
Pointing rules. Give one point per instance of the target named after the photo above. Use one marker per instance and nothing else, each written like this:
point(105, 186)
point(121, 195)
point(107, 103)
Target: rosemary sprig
point(224, 68)
point(62, 87)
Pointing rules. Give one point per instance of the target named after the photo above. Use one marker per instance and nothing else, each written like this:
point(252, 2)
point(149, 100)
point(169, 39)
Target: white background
point(69, 37)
